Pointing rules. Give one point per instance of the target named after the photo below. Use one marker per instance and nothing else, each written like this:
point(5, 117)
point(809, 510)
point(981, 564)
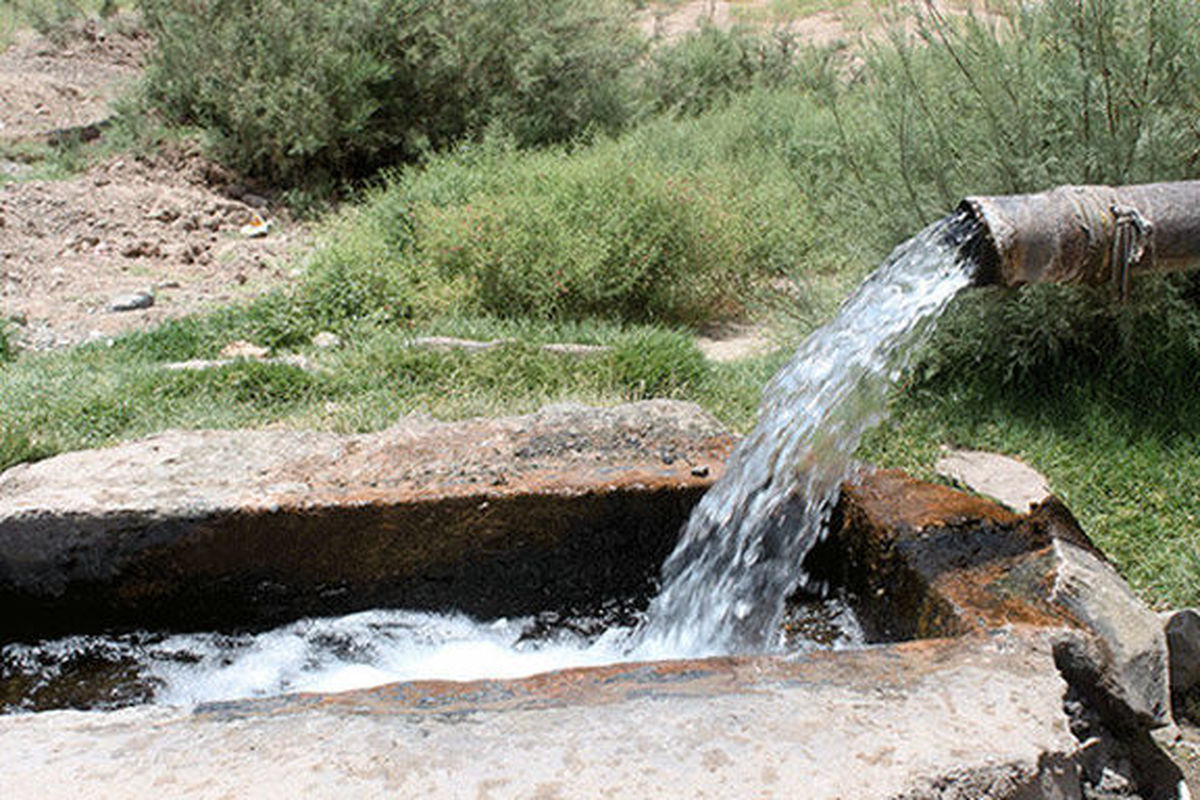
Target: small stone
point(1002, 478)
point(243, 349)
point(140, 249)
point(131, 302)
point(700, 472)
point(163, 214)
point(326, 340)
point(256, 228)
point(1183, 643)
point(254, 200)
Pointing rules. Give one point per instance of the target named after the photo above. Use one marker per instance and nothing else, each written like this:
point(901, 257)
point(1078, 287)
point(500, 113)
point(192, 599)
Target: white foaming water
point(359, 651)
point(739, 556)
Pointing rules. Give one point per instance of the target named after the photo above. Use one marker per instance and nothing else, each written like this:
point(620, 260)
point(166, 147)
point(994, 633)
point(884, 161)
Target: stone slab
point(983, 715)
point(190, 529)
point(1007, 480)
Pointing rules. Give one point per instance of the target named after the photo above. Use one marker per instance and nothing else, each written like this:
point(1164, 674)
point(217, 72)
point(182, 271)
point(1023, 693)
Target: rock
point(572, 349)
point(1006, 480)
point(257, 227)
point(446, 344)
point(163, 214)
point(131, 302)
point(1183, 642)
point(141, 249)
point(1123, 669)
point(254, 200)
point(326, 340)
point(243, 349)
point(926, 560)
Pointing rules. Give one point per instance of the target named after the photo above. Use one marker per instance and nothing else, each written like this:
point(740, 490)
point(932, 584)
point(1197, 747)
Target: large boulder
point(922, 560)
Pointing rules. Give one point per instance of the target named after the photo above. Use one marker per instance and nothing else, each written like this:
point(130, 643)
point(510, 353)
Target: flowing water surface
point(724, 588)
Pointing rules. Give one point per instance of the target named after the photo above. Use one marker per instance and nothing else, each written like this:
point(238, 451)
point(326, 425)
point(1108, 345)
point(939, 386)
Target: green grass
point(96, 394)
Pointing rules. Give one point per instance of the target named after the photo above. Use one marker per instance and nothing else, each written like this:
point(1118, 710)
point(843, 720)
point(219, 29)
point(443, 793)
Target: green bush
point(8, 348)
point(710, 66)
point(1046, 340)
point(1065, 91)
point(296, 90)
point(676, 223)
point(598, 240)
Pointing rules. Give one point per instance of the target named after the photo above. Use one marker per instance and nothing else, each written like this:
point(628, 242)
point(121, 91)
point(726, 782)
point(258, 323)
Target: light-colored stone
point(907, 721)
point(133, 301)
point(244, 349)
point(1126, 662)
point(1183, 641)
point(1002, 478)
point(326, 340)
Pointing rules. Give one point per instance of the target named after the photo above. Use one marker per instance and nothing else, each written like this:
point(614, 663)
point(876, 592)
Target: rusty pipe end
point(976, 244)
point(1084, 234)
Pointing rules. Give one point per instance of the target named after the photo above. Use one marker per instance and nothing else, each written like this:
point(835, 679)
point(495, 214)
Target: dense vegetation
point(550, 177)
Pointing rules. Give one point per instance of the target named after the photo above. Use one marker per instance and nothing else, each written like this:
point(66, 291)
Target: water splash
point(725, 585)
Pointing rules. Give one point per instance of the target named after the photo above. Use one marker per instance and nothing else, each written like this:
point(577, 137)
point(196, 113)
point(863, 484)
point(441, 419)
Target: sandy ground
point(168, 226)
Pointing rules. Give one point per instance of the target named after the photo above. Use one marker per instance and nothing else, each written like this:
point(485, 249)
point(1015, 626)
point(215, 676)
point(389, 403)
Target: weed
point(659, 363)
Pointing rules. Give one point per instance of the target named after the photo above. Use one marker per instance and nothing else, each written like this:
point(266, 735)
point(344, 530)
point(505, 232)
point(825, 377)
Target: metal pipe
point(1086, 234)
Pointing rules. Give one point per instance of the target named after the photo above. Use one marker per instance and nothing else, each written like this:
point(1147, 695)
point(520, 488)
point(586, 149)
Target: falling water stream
point(724, 588)
point(725, 585)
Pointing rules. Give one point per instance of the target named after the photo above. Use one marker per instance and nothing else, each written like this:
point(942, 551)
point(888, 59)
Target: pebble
point(243, 349)
point(131, 302)
point(326, 340)
point(254, 200)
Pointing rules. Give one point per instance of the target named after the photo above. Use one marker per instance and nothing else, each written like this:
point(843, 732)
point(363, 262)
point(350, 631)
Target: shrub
point(710, 66)
point(598, 240)
point(1042, 341)
point(8, 348)
point(1065, 91)
point(671, 223)
point(294, 90)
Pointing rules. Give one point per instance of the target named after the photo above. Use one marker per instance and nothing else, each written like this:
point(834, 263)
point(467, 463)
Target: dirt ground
point(168, 227)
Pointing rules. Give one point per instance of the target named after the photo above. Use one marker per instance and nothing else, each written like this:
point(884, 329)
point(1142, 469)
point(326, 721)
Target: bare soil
point(168, 225)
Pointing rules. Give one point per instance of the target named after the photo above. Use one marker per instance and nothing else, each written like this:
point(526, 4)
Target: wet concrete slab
point(982, 712)
point(986, 624)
